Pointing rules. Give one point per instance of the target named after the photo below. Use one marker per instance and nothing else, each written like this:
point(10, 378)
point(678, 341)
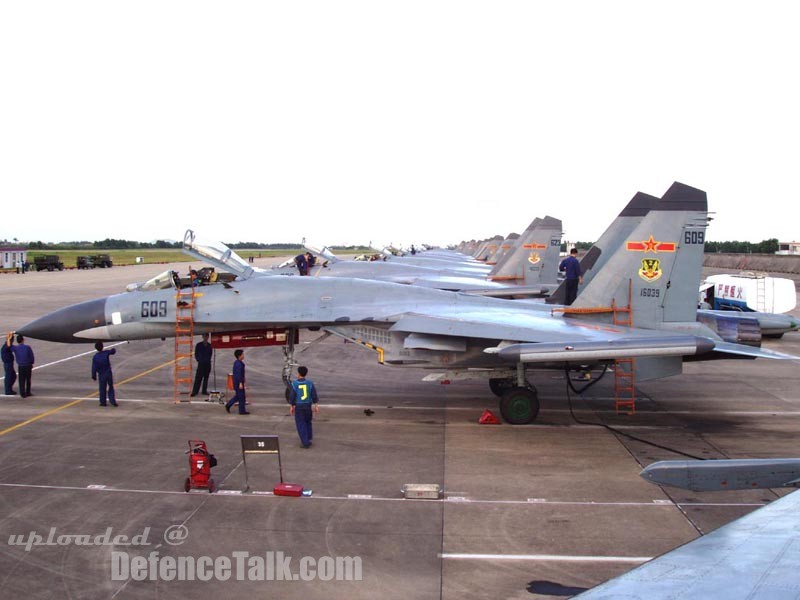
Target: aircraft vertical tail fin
point(541, 260)
point(597, 256)
point(657, 266)
point(534, 258)
point(499, 269)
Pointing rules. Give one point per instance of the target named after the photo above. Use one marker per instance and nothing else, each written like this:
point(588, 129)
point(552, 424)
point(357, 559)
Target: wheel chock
point(488, 418)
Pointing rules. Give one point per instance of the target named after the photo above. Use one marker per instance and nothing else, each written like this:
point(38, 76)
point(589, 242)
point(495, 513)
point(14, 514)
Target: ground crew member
point(8, 364)
point(302, 398)
point(202, 354)
point(24, 355)
point(572, 269)
point(311, 260)
point(238, 384)
point(302, 264)
point(101, 367)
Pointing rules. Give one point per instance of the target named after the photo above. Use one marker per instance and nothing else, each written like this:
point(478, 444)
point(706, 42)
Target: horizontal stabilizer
point(742, 350)
point(724, 474)
point(679, 345)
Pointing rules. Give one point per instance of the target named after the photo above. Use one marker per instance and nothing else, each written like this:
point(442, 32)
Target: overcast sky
point(412, 121)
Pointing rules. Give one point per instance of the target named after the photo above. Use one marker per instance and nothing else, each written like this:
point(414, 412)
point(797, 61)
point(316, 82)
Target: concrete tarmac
point(528, 512)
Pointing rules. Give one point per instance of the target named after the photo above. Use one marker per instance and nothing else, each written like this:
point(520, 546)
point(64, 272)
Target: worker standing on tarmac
point(101, 368)
point(8, 364)
point(238, 384)
point(303, 397)
point(203, 352)
point(25, 360)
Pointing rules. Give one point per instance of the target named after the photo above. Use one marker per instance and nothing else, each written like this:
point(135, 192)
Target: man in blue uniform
point(572, 272)
point(238, 384)
point(101, 368)
point(24, 355)
point(8, 364)
point(302, 264)
point(202, 354)
point(302, 398)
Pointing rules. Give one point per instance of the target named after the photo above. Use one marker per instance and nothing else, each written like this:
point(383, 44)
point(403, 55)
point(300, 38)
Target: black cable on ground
point(613, 429)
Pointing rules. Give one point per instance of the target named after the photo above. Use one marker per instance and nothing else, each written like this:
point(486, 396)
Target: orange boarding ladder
point(184, 340)
point(624, 368)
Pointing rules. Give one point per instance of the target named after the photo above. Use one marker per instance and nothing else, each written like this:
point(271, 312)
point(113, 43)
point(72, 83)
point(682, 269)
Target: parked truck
point(95, 260)
point(102, 260)
point(50, 262)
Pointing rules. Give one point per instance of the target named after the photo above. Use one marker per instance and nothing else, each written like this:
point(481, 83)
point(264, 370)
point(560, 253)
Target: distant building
point(788, 248)
point(11, 255)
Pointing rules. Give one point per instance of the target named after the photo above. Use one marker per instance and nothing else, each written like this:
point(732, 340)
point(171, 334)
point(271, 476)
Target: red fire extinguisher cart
point(200, 463)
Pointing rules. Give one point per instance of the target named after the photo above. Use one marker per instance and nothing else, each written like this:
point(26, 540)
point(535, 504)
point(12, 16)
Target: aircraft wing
point(568, 339)
point(562, 340)
point(754, 557)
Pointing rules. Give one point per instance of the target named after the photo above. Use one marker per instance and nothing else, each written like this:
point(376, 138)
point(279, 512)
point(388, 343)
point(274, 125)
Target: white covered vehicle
point(748, 292)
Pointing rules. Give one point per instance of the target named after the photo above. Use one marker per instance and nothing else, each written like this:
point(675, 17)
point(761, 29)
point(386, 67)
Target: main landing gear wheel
point(519, 405)
point(500, 385)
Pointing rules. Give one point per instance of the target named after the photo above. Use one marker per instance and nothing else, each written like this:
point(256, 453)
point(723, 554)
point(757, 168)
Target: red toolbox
point(288, 489)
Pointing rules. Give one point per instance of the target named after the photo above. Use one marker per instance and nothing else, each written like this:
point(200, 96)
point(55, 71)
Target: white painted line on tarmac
point(546, 557)
point(370, 497)
point(75, 356)
point(82, 354)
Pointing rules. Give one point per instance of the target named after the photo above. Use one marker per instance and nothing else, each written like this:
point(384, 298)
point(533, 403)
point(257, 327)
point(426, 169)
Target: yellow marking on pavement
point(43, 415)
point(74, 402)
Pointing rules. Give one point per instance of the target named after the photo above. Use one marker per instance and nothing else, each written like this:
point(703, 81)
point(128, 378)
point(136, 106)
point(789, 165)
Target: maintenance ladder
point(624, 368)
point(184, 341)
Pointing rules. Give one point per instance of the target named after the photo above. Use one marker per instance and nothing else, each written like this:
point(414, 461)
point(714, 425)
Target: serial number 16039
point(650, 292)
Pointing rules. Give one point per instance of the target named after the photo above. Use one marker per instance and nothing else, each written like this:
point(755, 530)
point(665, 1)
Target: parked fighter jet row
point(646, 265)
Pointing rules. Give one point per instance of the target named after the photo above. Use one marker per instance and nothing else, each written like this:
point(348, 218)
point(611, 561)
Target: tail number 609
point(154, 308)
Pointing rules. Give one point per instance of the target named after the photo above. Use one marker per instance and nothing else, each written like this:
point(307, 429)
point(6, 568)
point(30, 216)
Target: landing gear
point(519, 401)
point(500, 386)
point(288, 363)
point(519, 405)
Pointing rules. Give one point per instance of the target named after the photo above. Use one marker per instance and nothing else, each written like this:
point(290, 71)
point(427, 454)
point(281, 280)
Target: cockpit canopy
point(162, 281)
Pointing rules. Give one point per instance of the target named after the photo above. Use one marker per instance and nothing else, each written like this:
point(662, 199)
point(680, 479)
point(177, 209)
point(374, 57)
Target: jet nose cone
point(63, 324)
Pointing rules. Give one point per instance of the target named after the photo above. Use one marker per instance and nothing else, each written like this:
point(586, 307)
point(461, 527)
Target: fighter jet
point(529, 269)
point(650, 282)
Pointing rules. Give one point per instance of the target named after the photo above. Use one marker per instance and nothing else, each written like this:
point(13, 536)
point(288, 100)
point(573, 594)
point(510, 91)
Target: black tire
point(288, 394)
point(519, 406)
point(187, 485)
point(212, 487)
point(774, 336)
point(500, 386)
